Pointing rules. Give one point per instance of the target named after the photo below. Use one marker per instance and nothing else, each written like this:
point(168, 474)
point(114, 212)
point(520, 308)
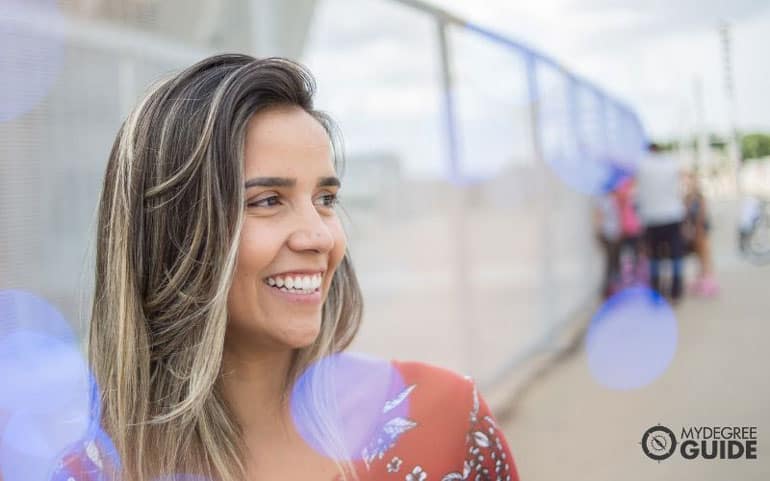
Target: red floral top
point(446, 433)
point(449, 433)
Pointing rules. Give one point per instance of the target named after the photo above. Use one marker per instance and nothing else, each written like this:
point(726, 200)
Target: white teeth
point(306, 283)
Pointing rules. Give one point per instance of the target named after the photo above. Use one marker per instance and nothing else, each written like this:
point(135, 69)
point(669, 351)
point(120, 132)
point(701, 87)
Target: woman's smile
point(302, 287)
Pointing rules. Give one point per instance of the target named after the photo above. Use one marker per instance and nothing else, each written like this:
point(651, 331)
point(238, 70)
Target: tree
point(755, 145)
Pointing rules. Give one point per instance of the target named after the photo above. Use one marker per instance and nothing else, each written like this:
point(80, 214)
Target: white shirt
point(660, 191)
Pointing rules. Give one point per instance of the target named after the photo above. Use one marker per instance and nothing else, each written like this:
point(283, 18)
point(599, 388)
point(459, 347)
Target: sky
point(655, 55)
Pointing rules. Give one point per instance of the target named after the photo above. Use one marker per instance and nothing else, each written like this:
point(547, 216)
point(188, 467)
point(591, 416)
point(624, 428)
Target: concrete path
point(568, 427)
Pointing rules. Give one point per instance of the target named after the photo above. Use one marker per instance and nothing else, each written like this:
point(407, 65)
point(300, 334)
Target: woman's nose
point(311, 233)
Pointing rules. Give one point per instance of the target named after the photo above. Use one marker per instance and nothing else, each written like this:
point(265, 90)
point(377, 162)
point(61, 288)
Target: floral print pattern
point(486, 454)
point(389, 431)
point(417, 474)
point(486, 458)
point(394, 465)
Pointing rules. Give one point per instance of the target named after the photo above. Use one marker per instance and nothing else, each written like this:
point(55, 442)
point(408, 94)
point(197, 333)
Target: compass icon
point(658, 443)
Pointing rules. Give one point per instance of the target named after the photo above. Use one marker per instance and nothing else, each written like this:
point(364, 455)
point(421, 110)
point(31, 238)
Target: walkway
point(566, 427)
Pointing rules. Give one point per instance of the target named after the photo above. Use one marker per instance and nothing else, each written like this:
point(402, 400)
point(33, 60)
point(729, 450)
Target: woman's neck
point(253, 384)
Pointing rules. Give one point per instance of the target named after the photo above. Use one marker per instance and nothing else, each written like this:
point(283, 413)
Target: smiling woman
point(223, 283)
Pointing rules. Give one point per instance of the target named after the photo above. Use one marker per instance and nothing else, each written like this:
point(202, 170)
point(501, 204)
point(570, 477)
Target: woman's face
point(292, 240)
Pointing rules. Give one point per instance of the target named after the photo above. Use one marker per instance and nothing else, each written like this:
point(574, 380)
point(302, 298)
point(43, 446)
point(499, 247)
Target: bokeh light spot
point(632, 339)
point(351, 391)
point(49, 401)
point(22, 310)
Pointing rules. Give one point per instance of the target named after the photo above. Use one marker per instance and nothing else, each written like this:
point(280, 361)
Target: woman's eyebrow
point(270, 182)
point(330, 181)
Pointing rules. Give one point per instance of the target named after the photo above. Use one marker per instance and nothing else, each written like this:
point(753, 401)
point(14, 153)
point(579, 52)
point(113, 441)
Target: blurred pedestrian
point(750, 213)
point(631, 242)
point(695, 231)
point(662, 211)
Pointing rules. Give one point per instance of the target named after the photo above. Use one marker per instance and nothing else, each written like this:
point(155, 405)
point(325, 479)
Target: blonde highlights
point(169, 221)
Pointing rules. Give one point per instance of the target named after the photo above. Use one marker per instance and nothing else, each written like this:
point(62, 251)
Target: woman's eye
point(266, 202)
point(325, 200)
point(329, 200)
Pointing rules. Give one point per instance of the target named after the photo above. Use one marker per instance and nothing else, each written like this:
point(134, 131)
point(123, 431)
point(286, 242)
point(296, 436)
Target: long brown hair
point(169, 221)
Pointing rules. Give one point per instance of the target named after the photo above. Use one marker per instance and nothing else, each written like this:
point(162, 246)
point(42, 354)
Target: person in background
point(631, 231)
point(608, 231)
point(662, 211)
point(695, 231)
point(751, 210)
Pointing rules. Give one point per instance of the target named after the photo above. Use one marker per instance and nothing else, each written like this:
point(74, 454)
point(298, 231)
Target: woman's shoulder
point(413, 393)
point(437, 384)
point(441, 393)
point(404, 379)
point(444, 428)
